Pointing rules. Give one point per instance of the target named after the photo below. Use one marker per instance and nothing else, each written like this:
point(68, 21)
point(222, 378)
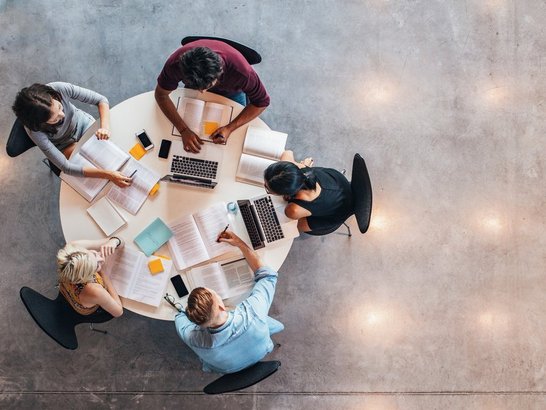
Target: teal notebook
point(153, 237)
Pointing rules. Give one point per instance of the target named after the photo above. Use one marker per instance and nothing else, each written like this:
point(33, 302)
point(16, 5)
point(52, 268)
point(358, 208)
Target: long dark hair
point(33, 107)
point(286, 178)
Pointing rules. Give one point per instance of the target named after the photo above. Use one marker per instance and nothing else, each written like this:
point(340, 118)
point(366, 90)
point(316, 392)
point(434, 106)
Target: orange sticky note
point(154, 190)
point(137, 151)
point(210, 127)
point(155, 266)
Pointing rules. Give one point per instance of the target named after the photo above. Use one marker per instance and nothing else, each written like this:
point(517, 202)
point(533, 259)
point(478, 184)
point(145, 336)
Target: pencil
point(223, 232)
point(134, 172)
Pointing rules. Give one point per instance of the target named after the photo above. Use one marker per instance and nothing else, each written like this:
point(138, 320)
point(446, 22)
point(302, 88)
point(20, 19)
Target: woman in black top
point(319, 198)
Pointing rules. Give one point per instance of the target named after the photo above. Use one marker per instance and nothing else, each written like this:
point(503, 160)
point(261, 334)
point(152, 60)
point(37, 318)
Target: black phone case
point(179, 286)
point(164, 149)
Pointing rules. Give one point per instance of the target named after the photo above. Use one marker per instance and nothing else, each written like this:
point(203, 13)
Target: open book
point(95, 153)
point(228, 280)
point(262, 148)
point(132, 197)
point(202, 117)
point(194, 237)
point(130, 275)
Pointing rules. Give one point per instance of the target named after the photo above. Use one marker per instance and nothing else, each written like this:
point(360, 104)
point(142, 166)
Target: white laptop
point(261, 221)
point(200, 170)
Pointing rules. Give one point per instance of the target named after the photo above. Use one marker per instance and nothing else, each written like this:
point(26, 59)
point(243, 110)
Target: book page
point(264, 143)
point(104, 153)
point(121, 268)
point(148, 288)
point(89, 188)
point(186, 246)
point(132, 197)
point(210, 223)
point(214, 116)
point(210, 276)
point(251, 169)
point(239, 277)
point(191, 111)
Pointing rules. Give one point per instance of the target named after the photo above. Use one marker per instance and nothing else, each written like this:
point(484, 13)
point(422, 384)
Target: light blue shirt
point(244, 339)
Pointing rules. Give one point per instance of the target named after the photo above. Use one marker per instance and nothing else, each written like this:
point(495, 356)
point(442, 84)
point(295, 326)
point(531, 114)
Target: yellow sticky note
point(154, 190)
point(137, 151)
point(155, 266)
point(210, 127)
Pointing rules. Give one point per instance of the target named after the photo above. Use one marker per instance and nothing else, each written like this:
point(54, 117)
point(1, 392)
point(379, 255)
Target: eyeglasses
point(171, 301)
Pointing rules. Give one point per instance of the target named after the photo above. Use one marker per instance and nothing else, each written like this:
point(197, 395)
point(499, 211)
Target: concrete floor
point(439, 306)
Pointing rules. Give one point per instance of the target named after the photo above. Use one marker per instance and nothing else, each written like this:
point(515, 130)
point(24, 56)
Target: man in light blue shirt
point(229, 341)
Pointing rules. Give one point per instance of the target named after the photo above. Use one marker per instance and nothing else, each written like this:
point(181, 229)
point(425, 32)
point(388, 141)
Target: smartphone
point(164, 149)
point(145, 140)
point(179, 286)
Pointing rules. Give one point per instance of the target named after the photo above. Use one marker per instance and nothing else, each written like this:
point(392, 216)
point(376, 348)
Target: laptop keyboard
point(268, 219)
point(194, 166)
point(249, 218)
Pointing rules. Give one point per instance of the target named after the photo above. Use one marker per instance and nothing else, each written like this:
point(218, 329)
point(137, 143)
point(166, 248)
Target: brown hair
point(200, 304)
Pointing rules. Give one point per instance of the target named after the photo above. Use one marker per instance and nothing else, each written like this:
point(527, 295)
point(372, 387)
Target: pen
point(223, 232)
point(134, 172)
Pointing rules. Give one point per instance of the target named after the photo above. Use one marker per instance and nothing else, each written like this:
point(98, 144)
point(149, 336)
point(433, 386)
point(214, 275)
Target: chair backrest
point(242, 379)
point(361, 188)
point(252, 56)
point(56, 317)
point(18, 141)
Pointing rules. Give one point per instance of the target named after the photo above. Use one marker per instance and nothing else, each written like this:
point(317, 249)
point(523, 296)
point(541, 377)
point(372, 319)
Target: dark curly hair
point(33, 107)
point(200, 66)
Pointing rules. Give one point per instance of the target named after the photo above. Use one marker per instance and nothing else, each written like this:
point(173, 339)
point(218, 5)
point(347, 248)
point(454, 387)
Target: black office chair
point(242, 379)
point(361, 189)
point(57, 318)
point(252, 56)
point(19, 142)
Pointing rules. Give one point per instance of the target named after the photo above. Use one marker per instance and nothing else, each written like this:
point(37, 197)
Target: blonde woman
point(81, 281)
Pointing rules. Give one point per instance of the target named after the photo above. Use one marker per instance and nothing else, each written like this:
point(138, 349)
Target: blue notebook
point(153, 237)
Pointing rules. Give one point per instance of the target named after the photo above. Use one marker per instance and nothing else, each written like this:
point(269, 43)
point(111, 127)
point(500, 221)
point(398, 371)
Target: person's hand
point(192, 143)
point(231, 238)
point(120, 180)
point(221, 135)
point(307, 162)
point(102, 134)
point(109, 247)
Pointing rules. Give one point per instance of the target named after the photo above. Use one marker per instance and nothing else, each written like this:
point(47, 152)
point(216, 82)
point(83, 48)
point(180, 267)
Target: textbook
point(194, 237)
point(202, 117)
point(106, 216)
point(95, 153)
point(133, 197)
point(229, 279)
point(153, 237)
point(262, 148)
point(131, 277)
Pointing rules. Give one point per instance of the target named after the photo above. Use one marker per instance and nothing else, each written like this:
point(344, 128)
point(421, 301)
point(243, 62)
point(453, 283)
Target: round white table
point(172, 200)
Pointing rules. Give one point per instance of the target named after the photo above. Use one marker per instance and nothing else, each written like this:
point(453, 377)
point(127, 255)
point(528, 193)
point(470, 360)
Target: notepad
point(137, 151)
point(153, 237)
point(106, 216)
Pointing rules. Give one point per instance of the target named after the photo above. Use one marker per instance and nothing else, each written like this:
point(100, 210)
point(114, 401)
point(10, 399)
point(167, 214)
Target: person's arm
point(103, 133)
point(191, 141)
point(106, 246)
point(184, 327)
point(252, 257)
point(221, 135)
point(108, 299)
point(289, 157)
point(262, 294)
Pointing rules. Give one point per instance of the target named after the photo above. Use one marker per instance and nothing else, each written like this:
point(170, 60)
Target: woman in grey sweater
point(56, 125)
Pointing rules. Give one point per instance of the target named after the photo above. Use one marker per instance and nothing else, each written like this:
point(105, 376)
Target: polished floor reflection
point(439, 306)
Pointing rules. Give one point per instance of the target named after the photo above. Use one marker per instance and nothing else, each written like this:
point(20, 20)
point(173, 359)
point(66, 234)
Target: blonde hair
point(200, 303)
point(74, 265)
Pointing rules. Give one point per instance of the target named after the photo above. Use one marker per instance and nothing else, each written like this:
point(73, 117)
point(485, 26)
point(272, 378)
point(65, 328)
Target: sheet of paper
point(148, 288)
point(121, 267)
point(191, 111)
point(210, 223)
point(132, 197)
point(239, 277)
point(186, 246)
point(106, 216)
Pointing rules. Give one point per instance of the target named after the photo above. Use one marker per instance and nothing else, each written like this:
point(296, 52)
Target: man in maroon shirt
point(217, 67)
